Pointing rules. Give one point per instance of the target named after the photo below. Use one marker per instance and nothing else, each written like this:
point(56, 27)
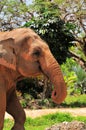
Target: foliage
point(13, 7)
point(74, 14)
point(81, 79)
point(13, 14)
point(41, 123)
point(76, 100)
point(75, 77)
point(78, 51)
point(30, 86)
point(53, 31)
point(47, 23)
point(45, 8)
point(69, 75)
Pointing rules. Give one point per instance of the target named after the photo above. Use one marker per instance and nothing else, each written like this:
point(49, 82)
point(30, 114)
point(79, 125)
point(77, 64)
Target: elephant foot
point(18, 127)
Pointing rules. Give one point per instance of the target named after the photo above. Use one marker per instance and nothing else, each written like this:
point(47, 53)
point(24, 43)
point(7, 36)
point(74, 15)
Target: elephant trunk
point(52, 69)
point(59, 93)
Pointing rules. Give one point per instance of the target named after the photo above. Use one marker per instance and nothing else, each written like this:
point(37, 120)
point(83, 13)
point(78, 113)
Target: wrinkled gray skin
point(24, 54)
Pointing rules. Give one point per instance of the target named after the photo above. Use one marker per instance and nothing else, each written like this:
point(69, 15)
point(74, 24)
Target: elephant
point(24, 54)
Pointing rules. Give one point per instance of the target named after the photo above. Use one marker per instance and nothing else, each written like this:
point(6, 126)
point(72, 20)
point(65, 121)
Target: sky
point(28, 1)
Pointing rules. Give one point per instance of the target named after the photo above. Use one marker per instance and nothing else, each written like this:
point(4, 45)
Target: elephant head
point(26, 53)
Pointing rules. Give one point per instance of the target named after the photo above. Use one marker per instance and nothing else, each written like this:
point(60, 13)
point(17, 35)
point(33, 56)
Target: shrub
point(75, 77)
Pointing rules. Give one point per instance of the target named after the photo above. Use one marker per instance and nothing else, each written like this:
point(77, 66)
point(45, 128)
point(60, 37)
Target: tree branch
point(80, 60)
point(21, 1)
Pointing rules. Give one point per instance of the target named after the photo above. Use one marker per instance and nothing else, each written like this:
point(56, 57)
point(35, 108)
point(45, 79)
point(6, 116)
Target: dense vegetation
point(27, 101)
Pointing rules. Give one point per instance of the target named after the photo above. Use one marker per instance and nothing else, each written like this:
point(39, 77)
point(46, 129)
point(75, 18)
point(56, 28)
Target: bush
point(27, 101)
point(75, 77)
point(30, 86)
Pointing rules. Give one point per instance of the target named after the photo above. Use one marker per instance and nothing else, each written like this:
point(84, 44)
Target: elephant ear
point(7, 53)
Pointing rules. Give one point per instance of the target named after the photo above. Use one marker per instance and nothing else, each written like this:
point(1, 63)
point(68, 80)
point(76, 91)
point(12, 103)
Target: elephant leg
point(14, 108)
point(2, 106)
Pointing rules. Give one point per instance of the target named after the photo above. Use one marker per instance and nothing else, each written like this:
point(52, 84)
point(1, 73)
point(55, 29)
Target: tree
point(61, 20)
point(13, 14)
point(74, 14)
point(48, 24)
point(51, 22)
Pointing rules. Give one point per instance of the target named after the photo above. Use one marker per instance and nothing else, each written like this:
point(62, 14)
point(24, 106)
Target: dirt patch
point(41, 112)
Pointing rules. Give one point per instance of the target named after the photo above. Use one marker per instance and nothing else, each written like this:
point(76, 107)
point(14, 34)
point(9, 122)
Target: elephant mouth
point(43, 73)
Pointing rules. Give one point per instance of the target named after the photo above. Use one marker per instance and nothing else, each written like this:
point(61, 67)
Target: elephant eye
point(36, 52)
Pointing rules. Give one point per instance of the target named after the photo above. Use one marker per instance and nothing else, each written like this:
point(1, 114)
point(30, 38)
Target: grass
point(43, 122)
point(8, 124)
point(75, 101)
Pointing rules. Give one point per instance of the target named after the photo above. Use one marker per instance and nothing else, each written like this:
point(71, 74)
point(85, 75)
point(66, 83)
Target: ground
point(41, 112)
point(74, 125)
